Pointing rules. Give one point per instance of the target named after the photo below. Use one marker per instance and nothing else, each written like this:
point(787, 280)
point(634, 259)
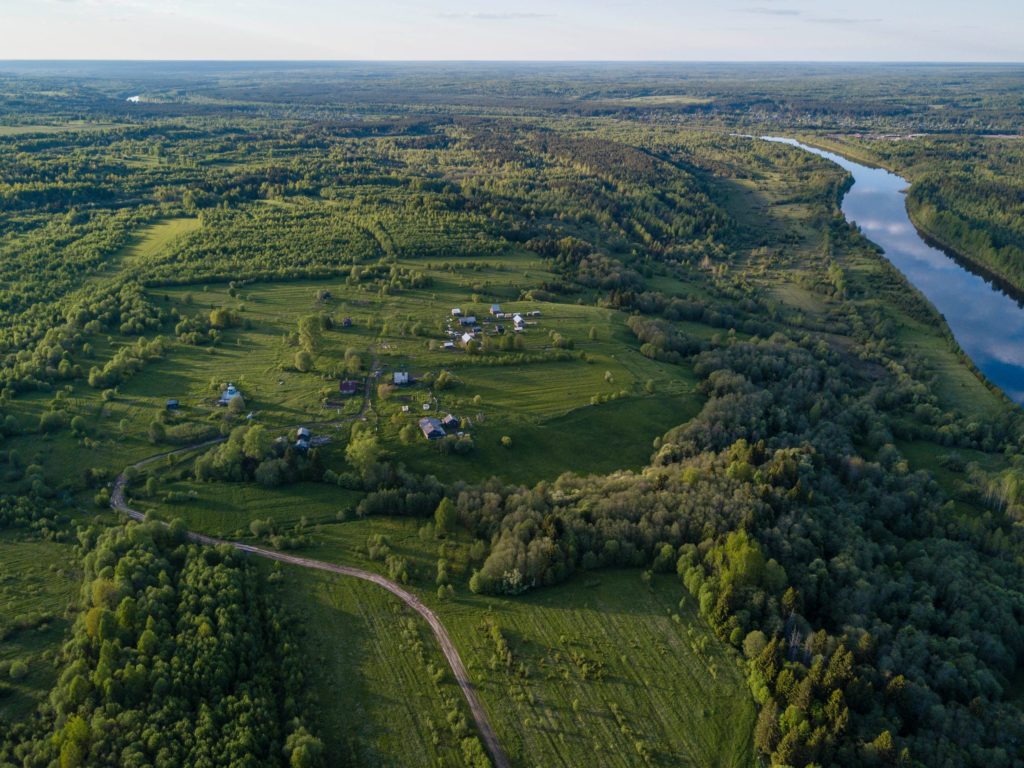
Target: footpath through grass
point(384, 692)
point(603, 670)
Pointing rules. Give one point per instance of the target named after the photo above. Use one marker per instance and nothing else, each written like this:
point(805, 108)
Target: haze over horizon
point(530, 30)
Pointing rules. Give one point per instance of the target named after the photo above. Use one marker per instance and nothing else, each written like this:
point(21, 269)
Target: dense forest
point(875, 599)
point(179, 657)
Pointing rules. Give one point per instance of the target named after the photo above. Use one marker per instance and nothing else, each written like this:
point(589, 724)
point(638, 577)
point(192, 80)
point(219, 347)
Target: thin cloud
point(840, 20)
point(496, 16)
point(764, 11)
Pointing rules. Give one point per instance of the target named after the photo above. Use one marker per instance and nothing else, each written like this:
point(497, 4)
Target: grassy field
point(667, 99)
point(600, 665)
point(51, 128)
point(226, 509)
point(546, 405)
point(38, 583)
point(607, 668)
point(375, 662)
point(150, 240)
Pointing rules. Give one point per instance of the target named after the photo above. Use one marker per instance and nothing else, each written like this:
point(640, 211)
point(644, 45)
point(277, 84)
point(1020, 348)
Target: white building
point(229, 394)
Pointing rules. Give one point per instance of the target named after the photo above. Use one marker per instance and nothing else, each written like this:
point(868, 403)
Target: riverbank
point(986, 323)
point(978, 266)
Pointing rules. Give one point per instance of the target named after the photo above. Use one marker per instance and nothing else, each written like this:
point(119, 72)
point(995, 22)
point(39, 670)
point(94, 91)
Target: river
point(986, 322)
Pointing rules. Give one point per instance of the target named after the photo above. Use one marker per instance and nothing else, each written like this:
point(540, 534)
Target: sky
point(548, 30)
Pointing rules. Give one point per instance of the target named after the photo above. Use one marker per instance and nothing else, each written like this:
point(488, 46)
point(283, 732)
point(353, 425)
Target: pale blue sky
point(733, 30)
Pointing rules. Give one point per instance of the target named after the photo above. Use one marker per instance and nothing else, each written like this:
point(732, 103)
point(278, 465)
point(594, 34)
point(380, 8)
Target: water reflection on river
point(987, 323)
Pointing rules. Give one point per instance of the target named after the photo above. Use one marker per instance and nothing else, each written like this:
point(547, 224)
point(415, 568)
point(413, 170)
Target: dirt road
point(483, 724)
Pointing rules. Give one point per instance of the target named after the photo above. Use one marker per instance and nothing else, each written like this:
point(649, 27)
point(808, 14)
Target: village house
point(173, 405)
point(431, 428)
point(451, 423)
point(456, 312)
point(401, 378)
point(466, 338)
point(302, 438)
point(348, 387)
point(229, 394)
point(495, 310)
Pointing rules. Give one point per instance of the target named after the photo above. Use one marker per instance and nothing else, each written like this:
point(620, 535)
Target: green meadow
point(593, 408)
point(39, 583)
point(606, 665)
point(382, 689)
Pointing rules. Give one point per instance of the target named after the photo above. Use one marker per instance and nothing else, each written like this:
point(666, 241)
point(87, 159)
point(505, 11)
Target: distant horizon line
point(970, 62)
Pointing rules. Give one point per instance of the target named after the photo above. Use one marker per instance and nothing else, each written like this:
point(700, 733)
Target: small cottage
point(229, 394)
point(431, 428)
point(347, 387)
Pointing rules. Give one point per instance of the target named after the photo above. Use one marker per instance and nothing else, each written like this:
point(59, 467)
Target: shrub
point(51, 421)
point(19, 670)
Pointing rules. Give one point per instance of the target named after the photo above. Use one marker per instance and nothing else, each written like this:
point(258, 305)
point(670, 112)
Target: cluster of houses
point(434, 429)
point(468, 327)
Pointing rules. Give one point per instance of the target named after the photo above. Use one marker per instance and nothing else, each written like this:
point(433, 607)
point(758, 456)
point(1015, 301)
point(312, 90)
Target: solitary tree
point(363, 451)
point(310, 333)
point(444, 517)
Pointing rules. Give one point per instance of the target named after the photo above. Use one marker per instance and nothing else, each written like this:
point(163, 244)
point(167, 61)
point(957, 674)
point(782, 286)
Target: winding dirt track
point(483, 724)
